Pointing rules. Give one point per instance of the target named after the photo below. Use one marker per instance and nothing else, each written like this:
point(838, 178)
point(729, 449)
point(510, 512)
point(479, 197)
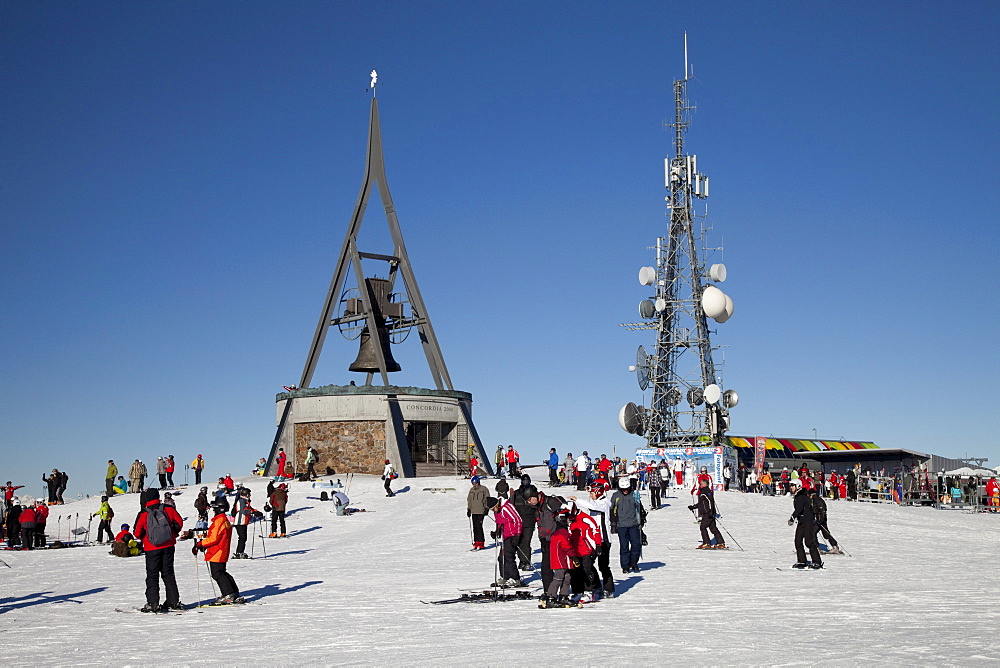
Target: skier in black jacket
point(546, 512)
point(526, 509)
point(706, 513)
point(805, 531)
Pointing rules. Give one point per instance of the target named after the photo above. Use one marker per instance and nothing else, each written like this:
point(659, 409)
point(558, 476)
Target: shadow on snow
point(7, 604)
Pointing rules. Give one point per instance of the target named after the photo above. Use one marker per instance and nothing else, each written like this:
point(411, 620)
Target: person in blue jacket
point(553, 464)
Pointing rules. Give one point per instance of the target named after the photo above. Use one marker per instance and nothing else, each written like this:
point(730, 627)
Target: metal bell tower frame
point(688, 406)
point(370, 307)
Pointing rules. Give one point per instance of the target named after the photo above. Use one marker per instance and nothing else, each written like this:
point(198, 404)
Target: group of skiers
point(574, 535)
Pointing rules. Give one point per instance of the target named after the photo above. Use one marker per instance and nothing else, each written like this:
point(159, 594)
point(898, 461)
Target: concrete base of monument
point(355, 429)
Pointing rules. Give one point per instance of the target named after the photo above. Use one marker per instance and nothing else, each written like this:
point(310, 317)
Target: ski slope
point(920, 586)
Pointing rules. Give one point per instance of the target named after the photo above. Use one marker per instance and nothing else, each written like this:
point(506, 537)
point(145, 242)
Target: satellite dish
point(695, 396)
point(660, 304)
point(642, 368)
point(713, 393)
point(730, 398)
point(647, 275)
point(713, 301)
point(673, 396)
point(646, 309)
point(717, 272)
point(630, 418)
point(728, 312)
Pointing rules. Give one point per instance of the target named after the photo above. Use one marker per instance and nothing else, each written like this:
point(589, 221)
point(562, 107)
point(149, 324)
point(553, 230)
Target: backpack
point(818, 509)
point(158, 529)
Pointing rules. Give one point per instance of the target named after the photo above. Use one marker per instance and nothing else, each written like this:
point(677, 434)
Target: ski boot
point(704, 546)
point(273, 534)
point(223, 600)
point(835, 550)
point(720, 546)
point(815, 566)
point(514, 582)
point(543, 602)
point(150, 608)
point(800, 566)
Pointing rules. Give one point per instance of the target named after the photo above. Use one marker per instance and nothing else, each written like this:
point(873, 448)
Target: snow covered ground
point(921, 586)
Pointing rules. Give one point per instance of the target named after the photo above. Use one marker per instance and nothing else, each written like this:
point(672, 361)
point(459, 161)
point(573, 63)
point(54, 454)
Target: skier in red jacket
point(512, 459)
point(585, 535)
point(561, 558)
point(159, 558)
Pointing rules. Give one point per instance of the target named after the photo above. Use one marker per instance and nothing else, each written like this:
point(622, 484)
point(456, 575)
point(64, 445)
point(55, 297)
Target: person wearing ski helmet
point(512, 458)
point(476, 511)
point(525, 500)
point(388, 475)
point(805, 529)
point(509, 530)
point(626, 520)
point(243, 512)
point(215, 545)
point(198, 465)
point(546, 508)
point(41, 518)
point(106, 514)
point(201, 504)
point(278, 501)
point(159, 558)
point(562, 559)
point(707, 511)
point(598, 506)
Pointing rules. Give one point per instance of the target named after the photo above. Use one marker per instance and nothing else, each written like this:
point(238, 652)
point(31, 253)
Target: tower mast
point(685, 408)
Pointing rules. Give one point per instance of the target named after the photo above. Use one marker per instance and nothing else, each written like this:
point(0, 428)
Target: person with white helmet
point(598, 506)
point(41, 518)
point(627, 518)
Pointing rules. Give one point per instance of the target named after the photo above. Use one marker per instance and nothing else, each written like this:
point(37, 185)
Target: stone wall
point(352, 446)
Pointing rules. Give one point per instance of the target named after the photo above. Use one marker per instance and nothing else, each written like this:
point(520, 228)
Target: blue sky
point(177, 178)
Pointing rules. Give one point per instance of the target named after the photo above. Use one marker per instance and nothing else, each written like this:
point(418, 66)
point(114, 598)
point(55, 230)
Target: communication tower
point(688, 406)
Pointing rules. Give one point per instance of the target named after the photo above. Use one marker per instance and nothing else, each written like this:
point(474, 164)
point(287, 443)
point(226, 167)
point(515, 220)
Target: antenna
point(685, 57)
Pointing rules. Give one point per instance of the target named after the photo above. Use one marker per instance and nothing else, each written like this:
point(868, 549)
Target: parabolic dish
point(673, 396)
point(730, 398)
point(717, 272)
point(695, 396)
point(646, 309)
point(642, 368)
point(728, 312)
point(713, 393)
point(647, 275)
point(713, 301)
point(660, 304)
point(630, 418)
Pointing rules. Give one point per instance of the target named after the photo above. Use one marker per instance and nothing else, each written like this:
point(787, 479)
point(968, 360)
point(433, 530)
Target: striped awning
point(787, 446)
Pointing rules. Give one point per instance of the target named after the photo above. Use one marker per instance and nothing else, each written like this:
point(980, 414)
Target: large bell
point(367, 362)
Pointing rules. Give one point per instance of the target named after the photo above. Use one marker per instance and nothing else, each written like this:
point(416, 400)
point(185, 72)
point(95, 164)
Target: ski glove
point(493, 535)
point(468, 513)
point(791, 521)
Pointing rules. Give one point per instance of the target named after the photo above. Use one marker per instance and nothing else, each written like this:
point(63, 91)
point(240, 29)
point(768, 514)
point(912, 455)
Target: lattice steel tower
point(688, 406)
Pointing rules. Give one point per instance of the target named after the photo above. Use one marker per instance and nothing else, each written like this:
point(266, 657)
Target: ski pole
point(214, 593)
point(263, 545)
point(730, 535)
